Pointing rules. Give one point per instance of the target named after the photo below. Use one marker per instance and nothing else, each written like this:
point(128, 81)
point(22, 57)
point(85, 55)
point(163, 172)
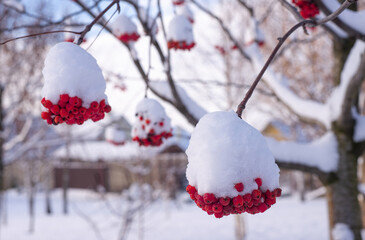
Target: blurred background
point(93, 182)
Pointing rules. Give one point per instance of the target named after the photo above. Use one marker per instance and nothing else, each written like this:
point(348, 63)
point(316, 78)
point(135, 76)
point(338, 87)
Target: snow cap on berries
point(185, 11)
point(69, 69)
point(115, 136)
point(123, 25)
point(180, 29)
point(224, 150)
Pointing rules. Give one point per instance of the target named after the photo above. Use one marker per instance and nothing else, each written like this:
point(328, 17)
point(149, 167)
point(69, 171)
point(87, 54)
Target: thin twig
point(304, 24)
point(38, 34)
point(97, 18)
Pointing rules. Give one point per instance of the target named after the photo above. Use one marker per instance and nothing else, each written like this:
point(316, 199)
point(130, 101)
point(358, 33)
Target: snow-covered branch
point(349, 21)
point(319, 156)
point(306, 110)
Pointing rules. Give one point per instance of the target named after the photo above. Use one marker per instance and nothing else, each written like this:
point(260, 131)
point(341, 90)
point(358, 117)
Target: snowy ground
point(287, 220)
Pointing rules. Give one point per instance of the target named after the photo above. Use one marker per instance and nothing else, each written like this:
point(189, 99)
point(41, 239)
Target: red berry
point(208, 208)
point(237, 201)
point(140, 118)
point(94, 105)
point(161, 124)
point(269, 194)
point(239, 187)
point(277, 192)
point(224, 201)
point(61, 104)
point(64, 97)
point(198, 197)
point(209, 198)
point(45, 115)
point(58, 119)
point(250, 204)
point(107, 108)
point(190, 189)
point(82, 110)
point(247, 198)
point(270, 201)
point(217, 208)
point(262, 207)
point(219, 215)
point(49, 121)
point(48, 104)
point(256, 194)
point(73, 101)
point(148, 121)
point(259, 182)
point(69, 107)
point(55, 109)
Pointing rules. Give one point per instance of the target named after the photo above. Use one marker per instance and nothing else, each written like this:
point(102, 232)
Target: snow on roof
point(102, 150)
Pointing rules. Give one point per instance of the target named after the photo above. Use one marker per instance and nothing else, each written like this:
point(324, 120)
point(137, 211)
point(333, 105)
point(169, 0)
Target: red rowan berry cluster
point(178, 2)
point(258, 201)
point(152, 139)
point(180, 45)
point(308, 8)
point(126, 37)
point(69, 110)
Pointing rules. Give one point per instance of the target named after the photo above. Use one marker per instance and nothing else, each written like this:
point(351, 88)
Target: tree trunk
point(48, 192)
point(65, 184)
point(342, 195)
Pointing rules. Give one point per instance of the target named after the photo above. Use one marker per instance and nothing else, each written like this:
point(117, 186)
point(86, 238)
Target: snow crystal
point(185, 11)
point(180, 29)
point(122, 25)
point(342, 231)
point(321, 153)
point(152, 111)
point(70, 69)
point(113, 134)
point(225, 150)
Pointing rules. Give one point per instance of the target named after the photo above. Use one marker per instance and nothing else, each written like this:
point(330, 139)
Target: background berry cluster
point(308, 9)
point(180, 45)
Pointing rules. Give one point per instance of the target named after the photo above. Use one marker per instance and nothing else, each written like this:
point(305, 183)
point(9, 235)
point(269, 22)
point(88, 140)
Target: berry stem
point(304, 24)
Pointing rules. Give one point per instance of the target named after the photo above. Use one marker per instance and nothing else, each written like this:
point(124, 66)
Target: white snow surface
point(359, 134)
point(150, 109)
point(185, 11)
point(321, 153)
point(114, 134)
point(353, 19)
point(290, 219)
point(225, 150)
point(122, 25)
point(70, 69)
point(180, 29)
point(342, 231)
